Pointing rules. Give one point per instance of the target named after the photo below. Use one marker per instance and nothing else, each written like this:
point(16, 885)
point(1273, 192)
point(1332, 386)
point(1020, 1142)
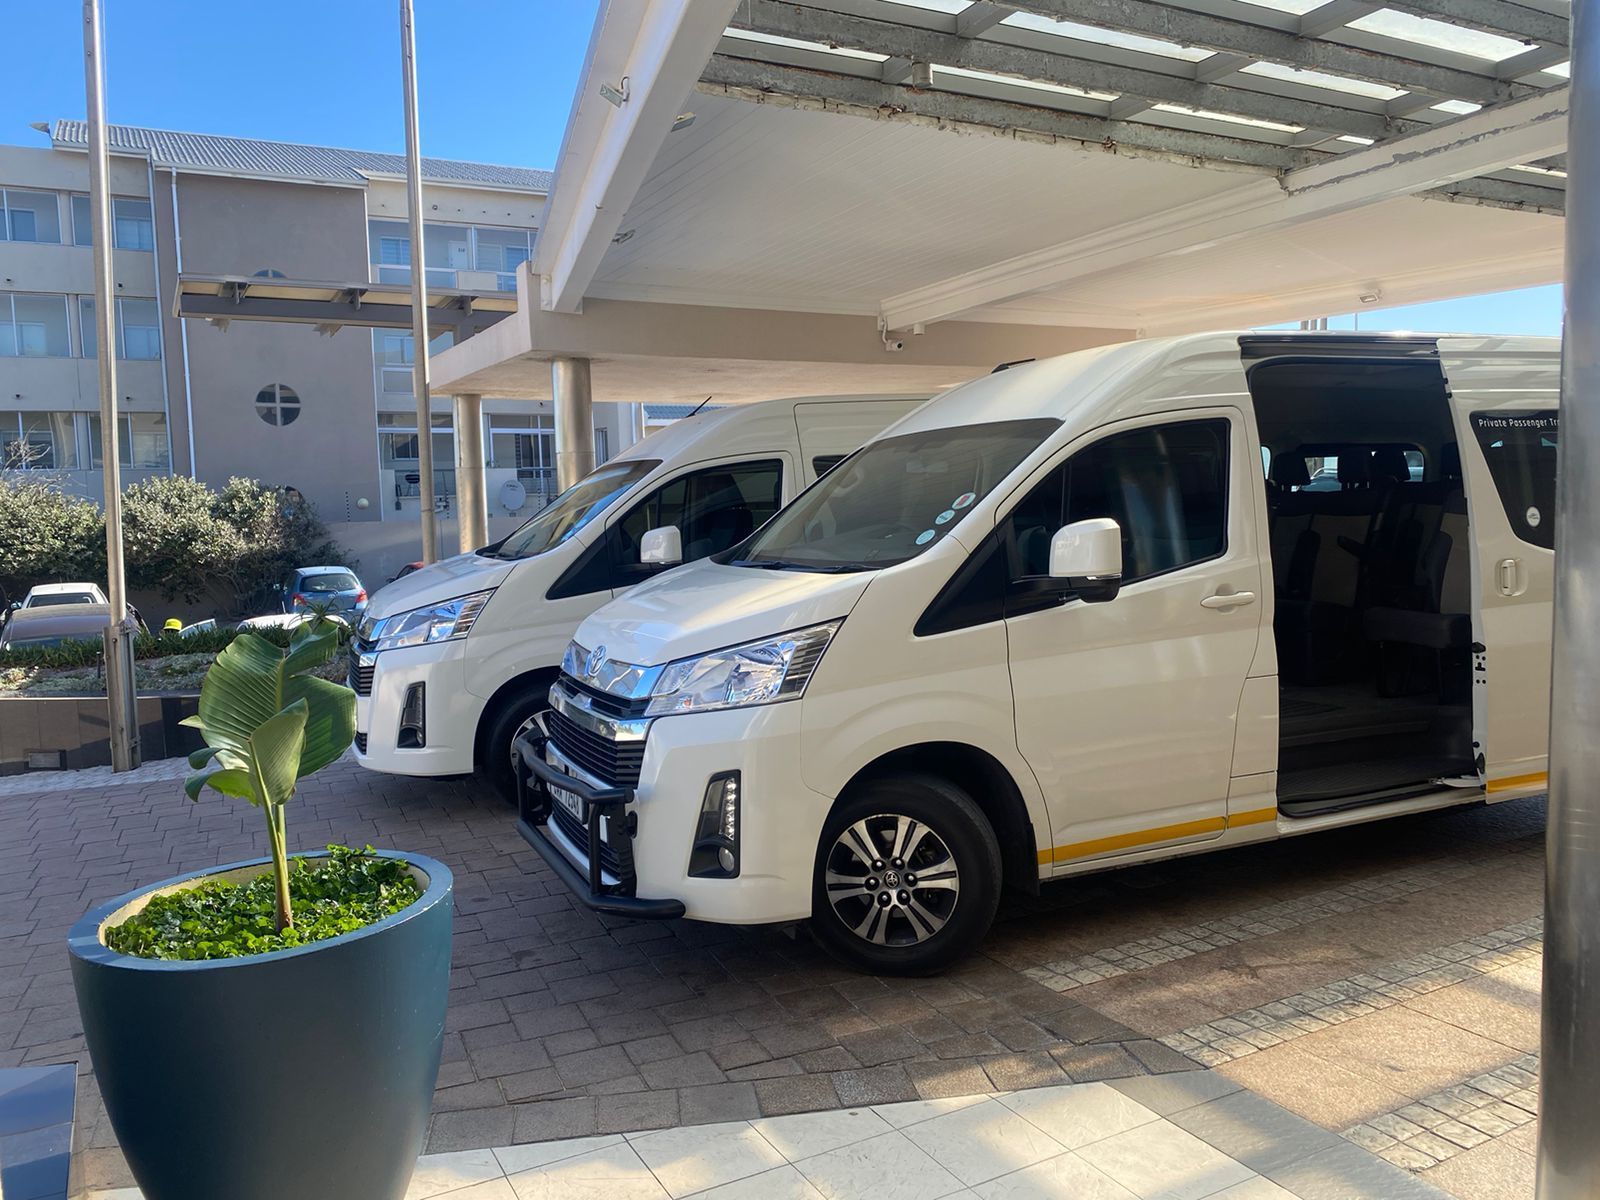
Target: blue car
point(335, 589)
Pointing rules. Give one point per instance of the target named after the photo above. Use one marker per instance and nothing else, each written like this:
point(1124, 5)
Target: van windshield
point(575, 508)
point(894, 498)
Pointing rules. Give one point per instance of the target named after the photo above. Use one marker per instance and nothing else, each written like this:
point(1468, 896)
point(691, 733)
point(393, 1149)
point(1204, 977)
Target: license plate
point(570, 801)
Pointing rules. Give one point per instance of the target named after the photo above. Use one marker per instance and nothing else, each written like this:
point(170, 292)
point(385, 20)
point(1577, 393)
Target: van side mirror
point(661, 547)
point(1086, 556)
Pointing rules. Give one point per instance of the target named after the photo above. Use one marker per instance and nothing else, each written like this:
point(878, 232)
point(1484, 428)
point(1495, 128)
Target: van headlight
point(756, 673)
point(433, 623)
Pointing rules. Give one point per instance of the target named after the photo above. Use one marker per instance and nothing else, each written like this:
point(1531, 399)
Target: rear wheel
point(513, 715)
point(907, 876)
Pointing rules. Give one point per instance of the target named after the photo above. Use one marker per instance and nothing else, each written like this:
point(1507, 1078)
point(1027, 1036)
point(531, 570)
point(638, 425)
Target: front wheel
point(907, 876)
point(513, 717)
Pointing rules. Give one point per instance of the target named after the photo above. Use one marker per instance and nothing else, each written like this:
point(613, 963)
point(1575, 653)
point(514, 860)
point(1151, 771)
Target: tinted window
point(53, 598)
point(1166, 486)
point(823, 463)
point(894, 498)
point(1520, 448)
point(329, 581)
point(714, 510)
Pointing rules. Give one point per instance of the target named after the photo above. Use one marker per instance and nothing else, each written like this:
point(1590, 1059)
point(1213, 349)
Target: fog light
point(716, 840)
point(413, 723)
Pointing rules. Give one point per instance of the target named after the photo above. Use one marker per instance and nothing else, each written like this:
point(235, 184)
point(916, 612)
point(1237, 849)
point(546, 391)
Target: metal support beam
point(574, 419)
point(419, 288)
point(980, 16)
point(1261, 42)
point(1351, 114)
point(121, 697)
point(472, 500)
point(1569, 1100)
point(1437, 157)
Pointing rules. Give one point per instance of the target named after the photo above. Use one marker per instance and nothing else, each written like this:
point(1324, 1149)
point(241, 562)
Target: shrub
point(46, 534)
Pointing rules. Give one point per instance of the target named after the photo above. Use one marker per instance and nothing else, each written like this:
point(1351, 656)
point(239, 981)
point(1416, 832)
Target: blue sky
point(328, 72)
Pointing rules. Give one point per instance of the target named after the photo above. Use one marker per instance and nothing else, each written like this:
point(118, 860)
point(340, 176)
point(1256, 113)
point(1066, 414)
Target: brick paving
point(562, 1023)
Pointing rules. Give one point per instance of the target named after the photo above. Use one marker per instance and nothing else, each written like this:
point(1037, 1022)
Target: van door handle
point(1509, 572)
point(1228, 600)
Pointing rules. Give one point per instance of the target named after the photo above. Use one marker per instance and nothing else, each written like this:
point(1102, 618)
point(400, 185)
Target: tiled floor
point(1188, 1136)
point(564, 1025)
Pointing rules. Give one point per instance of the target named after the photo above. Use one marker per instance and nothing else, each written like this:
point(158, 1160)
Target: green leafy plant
point(268, 722)
point(343, 892)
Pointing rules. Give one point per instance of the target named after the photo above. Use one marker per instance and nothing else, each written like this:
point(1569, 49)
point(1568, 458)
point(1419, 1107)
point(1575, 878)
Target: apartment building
point(331, 415)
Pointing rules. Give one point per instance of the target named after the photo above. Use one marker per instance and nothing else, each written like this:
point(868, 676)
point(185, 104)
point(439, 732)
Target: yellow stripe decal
point(1162, 833)
point(1518, 781)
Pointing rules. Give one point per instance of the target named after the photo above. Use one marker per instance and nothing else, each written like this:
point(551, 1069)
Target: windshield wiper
point(784, 564)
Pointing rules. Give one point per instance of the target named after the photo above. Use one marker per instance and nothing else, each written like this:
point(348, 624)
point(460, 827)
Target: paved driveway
point(562, 1023)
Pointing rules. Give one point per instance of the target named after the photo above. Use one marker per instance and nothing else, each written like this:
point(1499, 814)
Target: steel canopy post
point(1569, 1102)
point(471, 500)
point(121, 699)
point(419, 288)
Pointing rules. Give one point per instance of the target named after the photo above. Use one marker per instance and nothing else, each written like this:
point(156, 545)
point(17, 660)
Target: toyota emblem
point(591, 665)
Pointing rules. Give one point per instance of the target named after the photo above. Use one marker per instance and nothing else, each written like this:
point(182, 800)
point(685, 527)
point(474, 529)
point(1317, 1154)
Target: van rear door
point(1503, 400)
point(830, 430)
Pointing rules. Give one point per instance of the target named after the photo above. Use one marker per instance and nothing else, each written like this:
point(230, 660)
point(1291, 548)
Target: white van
point(1082, 613)
point(451, 660)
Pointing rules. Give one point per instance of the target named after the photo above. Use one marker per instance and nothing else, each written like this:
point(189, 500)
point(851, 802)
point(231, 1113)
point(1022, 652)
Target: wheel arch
point(984, 778)
point(515, 686)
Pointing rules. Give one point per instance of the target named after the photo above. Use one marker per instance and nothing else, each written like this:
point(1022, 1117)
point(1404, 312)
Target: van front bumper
point(629, 852)
point(450, 712)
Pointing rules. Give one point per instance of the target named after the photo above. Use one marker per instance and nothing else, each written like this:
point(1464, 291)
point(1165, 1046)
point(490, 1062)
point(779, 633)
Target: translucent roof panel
point(750, 35)
point(1335, 83)
point(1230, 118)
point(939, 6)
point(1458, 108)
point(1298, 8)
point(1035, 84)
point(1440, 36)
point(1105, 37)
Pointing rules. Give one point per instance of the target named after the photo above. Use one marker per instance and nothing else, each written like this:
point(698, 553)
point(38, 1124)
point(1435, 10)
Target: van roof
point(1146, 374)
point(736, 427)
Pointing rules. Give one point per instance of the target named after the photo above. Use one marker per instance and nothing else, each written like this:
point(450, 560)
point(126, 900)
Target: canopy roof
point(1056, 173)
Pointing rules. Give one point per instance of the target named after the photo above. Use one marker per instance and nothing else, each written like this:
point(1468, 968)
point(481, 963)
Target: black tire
point(920, 929)
point(510, 714)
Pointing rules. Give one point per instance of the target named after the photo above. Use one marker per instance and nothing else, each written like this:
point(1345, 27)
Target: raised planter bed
point(70, 732)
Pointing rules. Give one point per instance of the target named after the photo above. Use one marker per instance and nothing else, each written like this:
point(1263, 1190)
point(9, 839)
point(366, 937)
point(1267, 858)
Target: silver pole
point(574, 405)
point(1569, 1101)
point(471, 501)
point(121, 700)
point(419, 287)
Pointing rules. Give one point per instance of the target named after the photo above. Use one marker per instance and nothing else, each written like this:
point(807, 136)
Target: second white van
point(1144, 600)
point(451, 661)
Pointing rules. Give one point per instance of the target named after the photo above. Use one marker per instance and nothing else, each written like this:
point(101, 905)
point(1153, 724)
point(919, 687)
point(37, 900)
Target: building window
point(38, 441)
point(269, 273)
point(138, 328)
point(397, 452)
point(33, 326)
point(132, 226)
point(277, 404)
point(450, 249)
point(141, 441)
point(394, 354)
point(29, 216)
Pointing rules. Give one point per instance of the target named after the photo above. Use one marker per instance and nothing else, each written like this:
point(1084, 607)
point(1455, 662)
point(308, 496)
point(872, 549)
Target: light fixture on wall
point(682, 121)
point(617, 95)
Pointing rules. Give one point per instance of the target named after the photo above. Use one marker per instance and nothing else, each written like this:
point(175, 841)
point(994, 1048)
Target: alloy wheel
point(892, 880)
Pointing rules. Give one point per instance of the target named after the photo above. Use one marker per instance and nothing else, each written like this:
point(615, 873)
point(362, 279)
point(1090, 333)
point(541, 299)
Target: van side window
point(714, 510)
point(1520, 448)
point(1166, 485)
point(823, 463)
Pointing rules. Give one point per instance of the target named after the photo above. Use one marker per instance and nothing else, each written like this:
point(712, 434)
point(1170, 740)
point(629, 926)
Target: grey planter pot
point(306, 1073)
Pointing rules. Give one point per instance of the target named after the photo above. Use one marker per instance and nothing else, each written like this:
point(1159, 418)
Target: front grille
point(360, 676)
point(578, 834)
point(615, 764)
point(361, 742)
point(607, 705)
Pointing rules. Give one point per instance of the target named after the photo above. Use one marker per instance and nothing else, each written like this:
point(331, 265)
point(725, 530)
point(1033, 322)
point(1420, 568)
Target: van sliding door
point(1503, 396)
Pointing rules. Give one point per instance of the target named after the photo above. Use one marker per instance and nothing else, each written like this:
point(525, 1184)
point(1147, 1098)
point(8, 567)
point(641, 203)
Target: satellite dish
point(513, 495)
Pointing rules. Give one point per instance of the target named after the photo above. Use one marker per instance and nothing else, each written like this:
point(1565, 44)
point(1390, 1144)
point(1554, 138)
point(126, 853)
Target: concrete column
point(574, 405)
point(470, 489)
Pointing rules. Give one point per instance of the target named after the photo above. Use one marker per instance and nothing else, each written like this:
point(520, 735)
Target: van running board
point(1334, 804)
